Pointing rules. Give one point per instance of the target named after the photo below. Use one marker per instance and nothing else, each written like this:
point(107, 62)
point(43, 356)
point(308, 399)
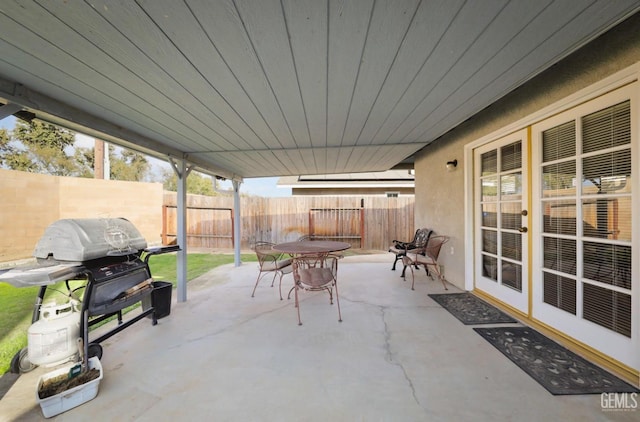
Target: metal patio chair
point(314, 273)
point(271, 261)
point(401, 249)
point(427, 257)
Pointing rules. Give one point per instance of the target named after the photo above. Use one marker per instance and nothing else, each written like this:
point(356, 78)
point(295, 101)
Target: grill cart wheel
point(20, 363)
point(95, 350)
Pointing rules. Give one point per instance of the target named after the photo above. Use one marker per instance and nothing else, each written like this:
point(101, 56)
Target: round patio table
point(311, 247)
point(316, 274)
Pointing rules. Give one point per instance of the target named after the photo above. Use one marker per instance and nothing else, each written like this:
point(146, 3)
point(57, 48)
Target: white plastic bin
point(69, 399)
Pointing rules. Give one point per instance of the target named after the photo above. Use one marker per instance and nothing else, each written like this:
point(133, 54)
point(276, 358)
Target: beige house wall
point(440, 194)
point(30, 202)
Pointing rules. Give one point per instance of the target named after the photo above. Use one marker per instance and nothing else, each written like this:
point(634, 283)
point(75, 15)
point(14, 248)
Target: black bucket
point(160, 299)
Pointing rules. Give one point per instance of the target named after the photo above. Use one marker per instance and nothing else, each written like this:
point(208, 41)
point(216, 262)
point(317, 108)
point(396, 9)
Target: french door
point(583, 202)
point(501, 215)
point(580, 276)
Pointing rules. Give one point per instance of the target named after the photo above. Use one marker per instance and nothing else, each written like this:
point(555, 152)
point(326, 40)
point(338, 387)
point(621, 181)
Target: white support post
point(182, 172)
point(8, 109)
point(237, 236)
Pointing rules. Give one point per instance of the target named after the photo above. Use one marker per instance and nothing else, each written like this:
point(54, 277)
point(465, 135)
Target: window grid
point(587, 222)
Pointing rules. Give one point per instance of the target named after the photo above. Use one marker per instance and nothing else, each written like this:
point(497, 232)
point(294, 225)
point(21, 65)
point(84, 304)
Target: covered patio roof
point(274, 88)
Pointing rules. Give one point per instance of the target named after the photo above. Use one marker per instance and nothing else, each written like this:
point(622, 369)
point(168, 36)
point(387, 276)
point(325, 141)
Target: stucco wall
point(30, 202)
point(440, 194)
point(440, 204)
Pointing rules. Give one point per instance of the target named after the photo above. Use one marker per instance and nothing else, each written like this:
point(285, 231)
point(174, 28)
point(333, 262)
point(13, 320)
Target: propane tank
point(53, 338)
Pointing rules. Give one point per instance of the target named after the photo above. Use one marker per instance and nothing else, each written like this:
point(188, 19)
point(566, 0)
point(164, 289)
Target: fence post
point(362, 225)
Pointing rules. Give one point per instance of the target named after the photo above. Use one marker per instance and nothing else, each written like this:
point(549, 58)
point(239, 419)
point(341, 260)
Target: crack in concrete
point(389, 355)
point(387, 346)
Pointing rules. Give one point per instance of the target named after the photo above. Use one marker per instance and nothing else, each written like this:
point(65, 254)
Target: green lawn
point(16, 304)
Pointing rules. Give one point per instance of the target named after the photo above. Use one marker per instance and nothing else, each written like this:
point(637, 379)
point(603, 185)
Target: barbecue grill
point(110, 255)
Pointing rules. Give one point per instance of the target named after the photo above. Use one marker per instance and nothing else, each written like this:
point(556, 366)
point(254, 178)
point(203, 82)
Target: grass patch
point(16, 310)
point(16, 304)
point(163, 267)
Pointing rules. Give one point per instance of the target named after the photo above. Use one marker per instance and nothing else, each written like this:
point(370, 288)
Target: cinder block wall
point(30, 202)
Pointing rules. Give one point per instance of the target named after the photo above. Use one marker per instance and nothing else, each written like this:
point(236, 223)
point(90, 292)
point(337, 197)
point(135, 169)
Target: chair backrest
point(433, 247)
point(421, 239)
point(262, 246)
point(315, 271)
point(265, 253)
point(308, 261)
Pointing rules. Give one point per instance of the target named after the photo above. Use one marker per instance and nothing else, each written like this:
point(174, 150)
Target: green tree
point(84, 159)
point(197, 183)
point(4, 145)
point(124, 164)
point(39, 147)
point(127, 165)
point(4, 138)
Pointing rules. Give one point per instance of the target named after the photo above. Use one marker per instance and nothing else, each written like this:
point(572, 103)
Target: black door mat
point(471, 310)
point(557, 369)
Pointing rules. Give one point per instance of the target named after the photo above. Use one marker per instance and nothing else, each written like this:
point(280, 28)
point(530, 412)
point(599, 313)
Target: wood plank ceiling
point(251, 88)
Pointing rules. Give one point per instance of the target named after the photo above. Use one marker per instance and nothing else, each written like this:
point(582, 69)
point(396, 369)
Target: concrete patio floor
point(224, 356)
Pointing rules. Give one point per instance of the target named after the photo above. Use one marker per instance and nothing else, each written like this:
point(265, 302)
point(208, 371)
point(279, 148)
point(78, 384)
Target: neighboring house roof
point(383, 180)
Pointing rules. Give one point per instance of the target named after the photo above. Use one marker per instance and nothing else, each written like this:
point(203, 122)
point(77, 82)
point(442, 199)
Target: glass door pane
point(501, 197)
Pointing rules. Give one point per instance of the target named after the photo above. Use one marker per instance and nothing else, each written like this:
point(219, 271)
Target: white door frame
point(618, 346)
point(514, 298)
point(624, 77)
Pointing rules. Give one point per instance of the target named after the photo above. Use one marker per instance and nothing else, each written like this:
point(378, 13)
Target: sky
point(7, 122)
point(262, 186)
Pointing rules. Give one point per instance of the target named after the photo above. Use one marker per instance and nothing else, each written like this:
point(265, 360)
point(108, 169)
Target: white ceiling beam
point(61, 114)
point(7, 110)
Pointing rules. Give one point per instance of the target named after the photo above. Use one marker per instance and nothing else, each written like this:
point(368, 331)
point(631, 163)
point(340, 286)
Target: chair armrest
point(404, 245)
point(407, 260)
point(416, 252)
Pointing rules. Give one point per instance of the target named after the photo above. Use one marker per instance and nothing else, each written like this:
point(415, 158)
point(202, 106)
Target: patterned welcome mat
point(471, 310)
point(557, 369)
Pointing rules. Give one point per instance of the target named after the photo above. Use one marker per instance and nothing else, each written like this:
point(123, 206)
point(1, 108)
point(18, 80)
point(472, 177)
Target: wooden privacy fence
point(368, 223)
point(211, 225)
point(342, 224)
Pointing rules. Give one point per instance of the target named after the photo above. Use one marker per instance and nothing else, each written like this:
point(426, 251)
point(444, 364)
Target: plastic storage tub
point(71, 398)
